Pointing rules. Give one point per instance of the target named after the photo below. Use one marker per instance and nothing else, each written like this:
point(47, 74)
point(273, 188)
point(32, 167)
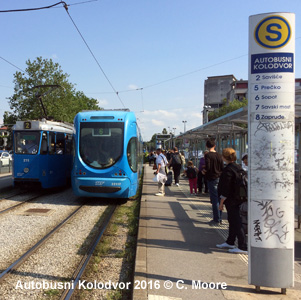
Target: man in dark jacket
point(213, 170)
point(176, 164)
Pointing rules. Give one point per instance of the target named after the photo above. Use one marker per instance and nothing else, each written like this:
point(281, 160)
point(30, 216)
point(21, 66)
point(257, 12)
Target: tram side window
point(132, 154)
point(51, 143)
point(44, 143)
point(60, 143)
point(68, 141)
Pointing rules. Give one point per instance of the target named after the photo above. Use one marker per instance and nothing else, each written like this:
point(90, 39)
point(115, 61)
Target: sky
point(156, 54)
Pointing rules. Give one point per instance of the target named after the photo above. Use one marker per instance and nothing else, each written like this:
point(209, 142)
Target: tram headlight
point(26, 170)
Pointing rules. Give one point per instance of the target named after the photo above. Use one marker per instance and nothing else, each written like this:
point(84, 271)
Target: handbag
point(160, 178)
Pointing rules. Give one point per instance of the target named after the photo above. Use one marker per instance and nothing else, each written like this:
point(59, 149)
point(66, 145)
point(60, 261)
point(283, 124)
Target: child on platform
point(191, 173)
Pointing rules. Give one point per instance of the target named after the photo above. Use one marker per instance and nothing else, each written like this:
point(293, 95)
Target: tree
point(61, 103)
point(164, 131)
point(9, 118)
point(226, 108)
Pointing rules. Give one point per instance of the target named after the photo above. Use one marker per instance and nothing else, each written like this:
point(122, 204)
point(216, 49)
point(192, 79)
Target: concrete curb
point(5, 174)
point(140, 263)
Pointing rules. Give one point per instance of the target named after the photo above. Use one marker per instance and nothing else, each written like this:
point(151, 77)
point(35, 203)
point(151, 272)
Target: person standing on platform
point(176, 164)
point(201, 177)
point(161, 163)
point(213, 169)
point(183, 160)
point(245, 162)
point(227, 192)
point(191, 173)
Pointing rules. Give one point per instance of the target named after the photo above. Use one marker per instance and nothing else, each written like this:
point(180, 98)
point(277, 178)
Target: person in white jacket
point(161, 162)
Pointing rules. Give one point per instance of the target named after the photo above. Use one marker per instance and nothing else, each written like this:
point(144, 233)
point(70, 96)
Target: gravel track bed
point(57, 259)
point(112, 266)
point(6, 202)
point(20, 232)
point(109, 269)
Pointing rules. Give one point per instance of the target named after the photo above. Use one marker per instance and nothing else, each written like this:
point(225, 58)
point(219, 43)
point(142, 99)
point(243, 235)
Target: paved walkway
point(177, 256)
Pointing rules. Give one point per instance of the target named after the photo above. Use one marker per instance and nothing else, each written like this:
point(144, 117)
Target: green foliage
point(226, 108)
point(9, 118)
point(164, 131)
point(61, 103)
point(51, 292)
point(145, 157)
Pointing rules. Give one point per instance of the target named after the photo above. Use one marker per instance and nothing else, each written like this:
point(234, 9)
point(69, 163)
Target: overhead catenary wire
point(97, 62)
point(175, 77)
point(12, 64)
point(32, 9)
point(66, 8)
point(83, 2)
point(46, 7)
point(179, 76)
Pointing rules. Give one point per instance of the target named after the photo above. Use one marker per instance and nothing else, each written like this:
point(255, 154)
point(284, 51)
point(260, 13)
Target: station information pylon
point(271, 149)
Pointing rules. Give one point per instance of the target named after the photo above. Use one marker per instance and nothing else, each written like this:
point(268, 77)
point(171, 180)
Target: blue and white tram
point(42, 153)
point(108, 154)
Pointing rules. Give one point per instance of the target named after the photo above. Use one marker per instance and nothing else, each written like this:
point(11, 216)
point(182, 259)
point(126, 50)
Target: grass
point(52, 292)
point(126, 215)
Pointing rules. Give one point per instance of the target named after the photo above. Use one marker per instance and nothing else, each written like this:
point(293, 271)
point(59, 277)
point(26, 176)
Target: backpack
point(241, 185)
point(176, 160)
point(191, 172)
point(183, 159)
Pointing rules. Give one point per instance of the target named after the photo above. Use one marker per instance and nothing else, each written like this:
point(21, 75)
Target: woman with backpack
point(191, 173)
point(228, 192)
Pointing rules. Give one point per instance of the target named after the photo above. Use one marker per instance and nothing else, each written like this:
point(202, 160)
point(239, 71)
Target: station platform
point(177, 257)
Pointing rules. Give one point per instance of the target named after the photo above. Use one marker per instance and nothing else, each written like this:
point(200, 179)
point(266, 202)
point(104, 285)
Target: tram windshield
point(27, 142)
point(101, 143)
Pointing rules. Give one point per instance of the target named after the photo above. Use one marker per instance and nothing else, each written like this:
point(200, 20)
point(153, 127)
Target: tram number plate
point(27, 125)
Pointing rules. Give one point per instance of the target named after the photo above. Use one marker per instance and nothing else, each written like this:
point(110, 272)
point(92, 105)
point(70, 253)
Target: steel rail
point(19, 204)
point(28, 253)
point(67, 294)
point(13, 195)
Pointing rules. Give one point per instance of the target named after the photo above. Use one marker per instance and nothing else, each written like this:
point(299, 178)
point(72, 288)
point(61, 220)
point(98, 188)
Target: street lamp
point(173, 139)
point(184, 125)
point(207, 108)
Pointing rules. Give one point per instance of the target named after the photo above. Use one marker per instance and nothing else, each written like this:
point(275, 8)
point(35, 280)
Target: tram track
point(18, 262)
point(12, 195)
point(22, 202)
point(67, 294)
point(24, 261)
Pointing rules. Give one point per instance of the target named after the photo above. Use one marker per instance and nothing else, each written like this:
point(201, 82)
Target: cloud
point(153, 121)
point(197, 115)
point(157, 122)
point(102, 102)
point(132, 87)
point(161, 113)
point(168, 114)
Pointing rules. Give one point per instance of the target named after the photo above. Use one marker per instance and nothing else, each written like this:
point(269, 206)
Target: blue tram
point(42, 153)
point(108, 154)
